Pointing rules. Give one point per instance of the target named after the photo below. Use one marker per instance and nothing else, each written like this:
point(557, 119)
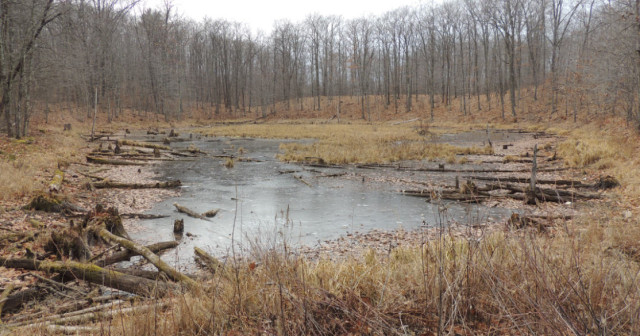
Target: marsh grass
point(353, 143)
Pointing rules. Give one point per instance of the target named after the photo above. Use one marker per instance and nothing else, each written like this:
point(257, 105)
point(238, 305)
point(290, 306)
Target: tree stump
point(178, 226)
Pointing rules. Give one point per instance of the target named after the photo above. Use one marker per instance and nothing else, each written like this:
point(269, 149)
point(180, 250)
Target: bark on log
point(65, 315)
point(569, 183)
point(211, 213)
point(92, 316)
point(5, 294)
point(93, 274)
point(212, 263)
point(119, 185)
point(142, 144)
point(299, 178)
point(450, 195)
point(189, 212)
point(72, 330)
point(479, 170)
point(127, 254)
point(151, 275)
point(97, 160)
point(56, 182)
point(548, 195)
point(142, 216)
point(150, 256)
point(16, 300)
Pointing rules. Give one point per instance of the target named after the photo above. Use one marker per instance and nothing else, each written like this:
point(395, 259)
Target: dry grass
point(352, 143)
point(506, 283)
point(27, 164)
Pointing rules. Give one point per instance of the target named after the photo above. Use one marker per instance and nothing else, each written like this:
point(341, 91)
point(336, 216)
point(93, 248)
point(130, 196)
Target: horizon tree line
point(111, 56)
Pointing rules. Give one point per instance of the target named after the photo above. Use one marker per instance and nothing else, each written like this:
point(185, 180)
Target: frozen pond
point(260, 201)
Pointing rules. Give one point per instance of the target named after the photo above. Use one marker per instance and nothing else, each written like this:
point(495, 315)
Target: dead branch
point(92, 273)
point(189, 212)
point(559, 182)
point(299, 178)
point(142, 216)
point(147, 254)
point(97, 160)
point(127, 254)
point(120, 185)
point(142, 144)
point(212, 263)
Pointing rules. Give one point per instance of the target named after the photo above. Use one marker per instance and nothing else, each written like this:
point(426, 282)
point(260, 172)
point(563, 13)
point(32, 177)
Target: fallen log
point(16, 300)
point(299, 178)
point(189, 212)
point(560, 182)
point(52, 203)
point(242, 159)
point(97, 160)
point(127, 254)
point(93, 274)
point(72, 330)
point(142, 216)
point(56, 182)
point(95, 177)
point(182, 154)
point(553, 195)
point(288, 171)
point(322, 165)
point(211, 213)
point(213, 264)
point(142, 144)
point(441, 170)
point(147, 254)
point(333, 175)
point(151, 275)
point(65, 315)
point(120, 185)
point(92, 316)
point(5, 295)
point(450, 195)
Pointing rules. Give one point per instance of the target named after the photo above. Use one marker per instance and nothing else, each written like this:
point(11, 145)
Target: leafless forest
point(72, 54)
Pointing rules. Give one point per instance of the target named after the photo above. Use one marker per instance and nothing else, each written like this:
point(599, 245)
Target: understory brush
point(579, 279)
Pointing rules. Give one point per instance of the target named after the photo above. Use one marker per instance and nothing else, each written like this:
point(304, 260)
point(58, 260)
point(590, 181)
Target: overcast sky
point(261, 14)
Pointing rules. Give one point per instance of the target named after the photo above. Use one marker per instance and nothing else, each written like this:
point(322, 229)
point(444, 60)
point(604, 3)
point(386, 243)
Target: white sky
point(261, 14)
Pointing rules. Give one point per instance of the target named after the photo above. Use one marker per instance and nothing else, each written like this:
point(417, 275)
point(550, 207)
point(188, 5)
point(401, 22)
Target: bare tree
point(21, 24)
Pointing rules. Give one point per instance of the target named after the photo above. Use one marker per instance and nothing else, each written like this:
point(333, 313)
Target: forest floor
point(477, 277)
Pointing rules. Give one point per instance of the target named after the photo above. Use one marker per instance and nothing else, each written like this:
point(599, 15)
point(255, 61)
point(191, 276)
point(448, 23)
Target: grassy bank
point(26, 164)
point(578, 281)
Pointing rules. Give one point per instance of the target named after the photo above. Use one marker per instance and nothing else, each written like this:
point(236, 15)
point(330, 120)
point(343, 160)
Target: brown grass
point(506, 283)
point(348, 143)
point(28, 163)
